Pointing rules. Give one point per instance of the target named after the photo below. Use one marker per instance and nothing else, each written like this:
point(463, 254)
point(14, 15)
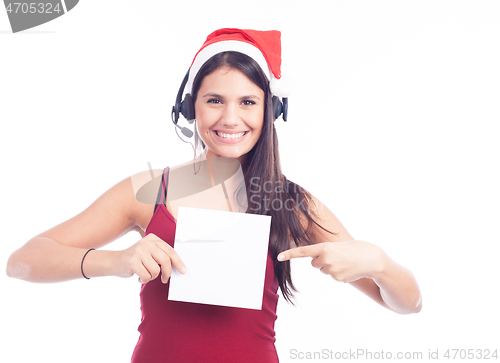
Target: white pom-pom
point(282, 87)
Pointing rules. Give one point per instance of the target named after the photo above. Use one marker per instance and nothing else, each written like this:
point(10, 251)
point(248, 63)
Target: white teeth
point(230, 136)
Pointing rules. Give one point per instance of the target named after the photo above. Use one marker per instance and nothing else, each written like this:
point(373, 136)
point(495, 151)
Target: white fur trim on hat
point(227, 45)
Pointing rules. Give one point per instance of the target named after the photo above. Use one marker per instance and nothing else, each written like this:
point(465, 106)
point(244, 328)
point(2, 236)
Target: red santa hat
point(262, 46)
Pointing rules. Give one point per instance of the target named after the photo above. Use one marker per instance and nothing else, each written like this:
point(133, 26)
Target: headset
point(186, 108)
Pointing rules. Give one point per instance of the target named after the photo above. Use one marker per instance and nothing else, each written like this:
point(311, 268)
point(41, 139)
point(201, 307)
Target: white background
point(393, 125)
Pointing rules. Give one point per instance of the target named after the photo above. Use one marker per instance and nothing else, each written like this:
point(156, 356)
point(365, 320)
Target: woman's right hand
point(147, 259)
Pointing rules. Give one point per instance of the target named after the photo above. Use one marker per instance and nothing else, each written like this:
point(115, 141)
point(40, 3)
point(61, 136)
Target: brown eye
point(214, 100)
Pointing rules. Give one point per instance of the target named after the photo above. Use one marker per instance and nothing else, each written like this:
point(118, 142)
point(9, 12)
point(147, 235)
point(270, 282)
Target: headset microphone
point(185, 131)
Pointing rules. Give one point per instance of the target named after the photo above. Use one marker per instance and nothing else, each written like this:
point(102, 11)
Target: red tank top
point(173, 331)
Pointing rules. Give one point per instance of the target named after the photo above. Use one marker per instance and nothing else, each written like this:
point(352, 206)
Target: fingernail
point(281, 257)
point(183, 270)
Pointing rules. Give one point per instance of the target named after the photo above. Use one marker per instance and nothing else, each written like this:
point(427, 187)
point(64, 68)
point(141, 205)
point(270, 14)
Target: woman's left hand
point(345, 261)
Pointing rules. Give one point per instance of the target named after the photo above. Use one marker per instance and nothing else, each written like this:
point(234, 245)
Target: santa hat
point(262, 46)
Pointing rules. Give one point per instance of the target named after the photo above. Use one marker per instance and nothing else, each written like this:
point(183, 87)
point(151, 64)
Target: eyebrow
point(216, 95)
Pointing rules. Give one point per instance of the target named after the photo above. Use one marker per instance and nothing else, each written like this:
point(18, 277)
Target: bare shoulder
point(145, 186)
point(326, 219)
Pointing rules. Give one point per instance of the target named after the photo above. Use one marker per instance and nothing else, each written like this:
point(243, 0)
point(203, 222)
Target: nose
point(230, 115)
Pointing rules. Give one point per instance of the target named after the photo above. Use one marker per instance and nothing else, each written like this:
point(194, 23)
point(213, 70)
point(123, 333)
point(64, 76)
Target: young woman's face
point(229, 113)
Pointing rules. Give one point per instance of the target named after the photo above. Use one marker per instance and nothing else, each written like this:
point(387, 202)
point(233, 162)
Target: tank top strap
point(162, 190)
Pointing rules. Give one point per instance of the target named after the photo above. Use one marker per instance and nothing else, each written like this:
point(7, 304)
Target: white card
point(225, 254)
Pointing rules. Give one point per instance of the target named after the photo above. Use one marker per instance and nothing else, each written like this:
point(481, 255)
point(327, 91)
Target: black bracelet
point(81, 266)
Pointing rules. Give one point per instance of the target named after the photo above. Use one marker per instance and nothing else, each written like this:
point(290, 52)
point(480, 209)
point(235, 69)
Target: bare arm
point(56, 255)
point(364, 265)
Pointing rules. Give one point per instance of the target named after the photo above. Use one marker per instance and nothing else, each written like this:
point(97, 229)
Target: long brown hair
point(269, 192)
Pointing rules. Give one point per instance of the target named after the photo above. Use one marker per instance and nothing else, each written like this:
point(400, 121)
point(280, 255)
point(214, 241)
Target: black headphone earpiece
point(181, 106)
point(186, 108)
point(280, 108)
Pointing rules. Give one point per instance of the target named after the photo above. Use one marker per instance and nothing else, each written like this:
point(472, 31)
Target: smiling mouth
point(223, 135)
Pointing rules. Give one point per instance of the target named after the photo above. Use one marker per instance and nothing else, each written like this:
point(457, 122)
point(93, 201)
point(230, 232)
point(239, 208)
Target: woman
point(231, 93)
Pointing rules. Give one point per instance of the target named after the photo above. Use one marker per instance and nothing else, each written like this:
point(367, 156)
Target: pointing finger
point(303, 251)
